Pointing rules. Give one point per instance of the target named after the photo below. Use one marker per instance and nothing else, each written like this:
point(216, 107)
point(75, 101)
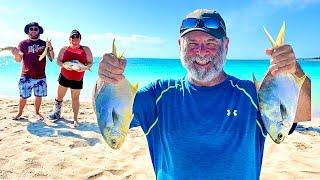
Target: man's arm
point(304, 103)
point(50, 50)
point(283, 60)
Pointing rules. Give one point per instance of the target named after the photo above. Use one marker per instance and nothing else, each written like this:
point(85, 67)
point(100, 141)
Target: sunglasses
point(33, 29)
point(75, 36)
point(209, 23)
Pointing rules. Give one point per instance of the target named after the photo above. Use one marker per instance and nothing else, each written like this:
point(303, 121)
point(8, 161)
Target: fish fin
point(115, 51)
point(281, 34)
point(135, 88)
point(273, 43)
point(114, 48)
point(300, 80)
point(257, 84)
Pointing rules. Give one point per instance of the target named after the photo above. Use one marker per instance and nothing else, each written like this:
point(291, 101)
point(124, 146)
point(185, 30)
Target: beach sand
point(32, 149)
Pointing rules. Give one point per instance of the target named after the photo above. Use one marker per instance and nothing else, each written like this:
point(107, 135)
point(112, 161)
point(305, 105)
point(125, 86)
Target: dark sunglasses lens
point(211, 23)
point(33, 29)
point(189, 23)
point(74, 36)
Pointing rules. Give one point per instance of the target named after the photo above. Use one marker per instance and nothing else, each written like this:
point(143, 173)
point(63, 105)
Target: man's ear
point(226, 44)
point(179, 42)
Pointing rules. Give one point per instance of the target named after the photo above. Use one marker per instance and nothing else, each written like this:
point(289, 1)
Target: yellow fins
point(115, 51)
point(280, 37)
point(135, 88)
point(119, 56)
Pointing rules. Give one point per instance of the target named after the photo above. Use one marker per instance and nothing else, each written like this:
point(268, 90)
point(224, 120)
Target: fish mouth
point(113, 137)
point(116, 142)
point(280, 138)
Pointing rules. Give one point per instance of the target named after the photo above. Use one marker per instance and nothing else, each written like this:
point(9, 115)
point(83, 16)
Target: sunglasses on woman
point(75, 36)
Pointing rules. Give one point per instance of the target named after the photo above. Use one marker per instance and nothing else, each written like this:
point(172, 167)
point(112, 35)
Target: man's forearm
point(304, 103)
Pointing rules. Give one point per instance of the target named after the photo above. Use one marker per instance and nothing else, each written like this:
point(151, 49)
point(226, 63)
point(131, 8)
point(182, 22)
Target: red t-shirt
point(74, 54)
point(31, 66)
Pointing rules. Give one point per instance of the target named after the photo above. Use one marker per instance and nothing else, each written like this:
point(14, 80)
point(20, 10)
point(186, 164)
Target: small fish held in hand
point(8, 48)
point(45, 51)
point(75, 65)
point(113, 107)
point(278, 97)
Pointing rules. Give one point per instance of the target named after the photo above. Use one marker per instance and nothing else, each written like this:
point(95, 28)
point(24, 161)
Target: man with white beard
point(207, 124)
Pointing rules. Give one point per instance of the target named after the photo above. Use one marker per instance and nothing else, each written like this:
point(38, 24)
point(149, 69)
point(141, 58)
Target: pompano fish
point(45, 51)
point(75, 65)
point(113, 107)
point(278, 97)
point(8, 48)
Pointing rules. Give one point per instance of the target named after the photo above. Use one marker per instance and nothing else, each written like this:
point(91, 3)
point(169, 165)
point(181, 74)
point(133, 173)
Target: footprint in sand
point(302, 146)
point(77, 144)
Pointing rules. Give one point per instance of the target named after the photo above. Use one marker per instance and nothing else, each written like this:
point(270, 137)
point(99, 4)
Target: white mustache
point(202, 60)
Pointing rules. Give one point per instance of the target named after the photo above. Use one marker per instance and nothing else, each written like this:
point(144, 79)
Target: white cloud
point(6, 10)
point(134, 45)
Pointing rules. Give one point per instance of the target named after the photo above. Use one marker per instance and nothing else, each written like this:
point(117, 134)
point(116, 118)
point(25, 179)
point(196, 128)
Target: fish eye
point(114, 142)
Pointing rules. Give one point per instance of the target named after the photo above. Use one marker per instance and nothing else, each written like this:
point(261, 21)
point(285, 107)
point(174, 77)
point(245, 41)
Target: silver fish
point(75, 65)
point(278, 98)
point(8, 48)
point(113, 104)
point(45, 52)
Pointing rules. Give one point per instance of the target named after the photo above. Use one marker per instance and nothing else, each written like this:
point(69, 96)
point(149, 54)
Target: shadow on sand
point(61, 128)
point(304, 130)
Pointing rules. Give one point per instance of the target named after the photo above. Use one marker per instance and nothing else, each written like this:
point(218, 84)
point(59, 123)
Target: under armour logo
point(234, 112)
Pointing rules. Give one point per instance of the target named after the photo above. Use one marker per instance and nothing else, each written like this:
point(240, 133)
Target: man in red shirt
point(33, 75)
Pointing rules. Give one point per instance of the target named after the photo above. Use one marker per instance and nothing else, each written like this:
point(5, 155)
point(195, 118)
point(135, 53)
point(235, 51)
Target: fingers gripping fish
point(278, 97)
point(113, 107)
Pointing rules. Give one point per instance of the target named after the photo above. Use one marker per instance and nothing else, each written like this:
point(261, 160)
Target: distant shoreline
point(152, 58)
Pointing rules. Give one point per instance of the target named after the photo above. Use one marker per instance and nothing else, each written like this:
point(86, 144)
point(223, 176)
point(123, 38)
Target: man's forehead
point(193, 35)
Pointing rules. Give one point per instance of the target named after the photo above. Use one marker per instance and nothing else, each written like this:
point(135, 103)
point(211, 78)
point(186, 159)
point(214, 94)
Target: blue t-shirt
point(202, 132)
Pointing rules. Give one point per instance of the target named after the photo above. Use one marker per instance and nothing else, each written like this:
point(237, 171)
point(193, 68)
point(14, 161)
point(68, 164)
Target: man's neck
point(34, 39)
point(217, 80)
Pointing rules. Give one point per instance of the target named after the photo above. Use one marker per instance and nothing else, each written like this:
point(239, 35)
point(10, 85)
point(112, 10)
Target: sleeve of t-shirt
point(22, 48)
point(144, 108)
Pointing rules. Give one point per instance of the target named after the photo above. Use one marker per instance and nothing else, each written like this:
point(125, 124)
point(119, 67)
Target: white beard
point(204, 74)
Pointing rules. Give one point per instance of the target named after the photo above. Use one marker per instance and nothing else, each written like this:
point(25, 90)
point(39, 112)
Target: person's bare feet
point(39, 117)
point(75, 124)
point(17, 117)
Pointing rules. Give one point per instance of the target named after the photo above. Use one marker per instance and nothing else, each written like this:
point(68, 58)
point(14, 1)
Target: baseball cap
point(204, 20)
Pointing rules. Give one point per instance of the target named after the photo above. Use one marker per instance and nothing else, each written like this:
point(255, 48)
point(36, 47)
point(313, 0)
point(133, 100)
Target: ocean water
point(146, 70)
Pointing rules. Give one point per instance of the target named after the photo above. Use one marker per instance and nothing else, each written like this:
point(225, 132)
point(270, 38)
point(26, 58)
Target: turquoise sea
point(146, 70)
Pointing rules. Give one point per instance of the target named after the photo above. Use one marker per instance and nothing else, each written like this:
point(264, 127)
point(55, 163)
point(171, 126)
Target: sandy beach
point(32, 149)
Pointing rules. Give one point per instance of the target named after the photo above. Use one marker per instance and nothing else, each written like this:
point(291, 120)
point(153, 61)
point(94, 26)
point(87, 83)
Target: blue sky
point(146, 28)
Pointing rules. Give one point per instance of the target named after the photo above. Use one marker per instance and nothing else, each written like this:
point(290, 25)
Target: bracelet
point(51, 49)
point(301, 79)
